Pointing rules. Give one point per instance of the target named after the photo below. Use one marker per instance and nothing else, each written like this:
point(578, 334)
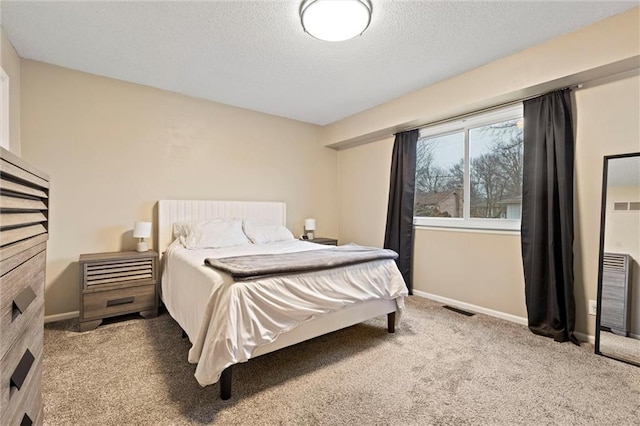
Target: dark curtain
point(547, 215)
point(399, 232)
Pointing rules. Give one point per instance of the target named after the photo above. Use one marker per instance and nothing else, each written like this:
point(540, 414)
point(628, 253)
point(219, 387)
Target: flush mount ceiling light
point(335, 20)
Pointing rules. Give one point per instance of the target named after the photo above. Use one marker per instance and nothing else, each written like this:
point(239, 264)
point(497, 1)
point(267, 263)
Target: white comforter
point(226, 320)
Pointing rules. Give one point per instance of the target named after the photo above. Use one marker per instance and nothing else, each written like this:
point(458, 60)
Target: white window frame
point(464, 125)
point(4, 109)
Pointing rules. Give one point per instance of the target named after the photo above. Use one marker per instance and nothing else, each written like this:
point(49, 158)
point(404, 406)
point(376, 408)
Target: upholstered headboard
point(170, 211)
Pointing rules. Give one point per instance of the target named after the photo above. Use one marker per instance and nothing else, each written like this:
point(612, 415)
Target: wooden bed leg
point(391, 322)
point(225, 383)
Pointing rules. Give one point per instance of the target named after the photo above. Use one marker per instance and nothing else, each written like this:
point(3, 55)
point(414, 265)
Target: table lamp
point(142, 230)
point(309, 227)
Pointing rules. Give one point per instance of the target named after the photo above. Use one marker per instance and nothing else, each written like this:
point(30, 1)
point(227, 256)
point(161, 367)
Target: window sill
point(471, 225)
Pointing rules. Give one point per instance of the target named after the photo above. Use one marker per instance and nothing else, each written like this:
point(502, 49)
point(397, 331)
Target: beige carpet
point(440, 368)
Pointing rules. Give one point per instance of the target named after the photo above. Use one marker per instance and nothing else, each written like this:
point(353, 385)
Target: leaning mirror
point(618, 313)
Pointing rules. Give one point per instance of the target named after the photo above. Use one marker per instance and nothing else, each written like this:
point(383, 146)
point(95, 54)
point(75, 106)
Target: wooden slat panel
point(7, 265)
point(11, 250)
point(132, 275)
point(22, 189)
point(7, 202)
point(11, 170)
point(19, 162)
point(13, 219)
point(116, 274)
point(98, 267)
point(100, 271)
point(118, 280)
point(121, 270)
point(111, 257)
point(12, 235)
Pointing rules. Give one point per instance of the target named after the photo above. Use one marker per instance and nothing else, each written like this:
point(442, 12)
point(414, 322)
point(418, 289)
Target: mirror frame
point(603, 210)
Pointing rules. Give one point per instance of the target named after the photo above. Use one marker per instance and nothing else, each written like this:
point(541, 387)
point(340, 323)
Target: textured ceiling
point(254, 54)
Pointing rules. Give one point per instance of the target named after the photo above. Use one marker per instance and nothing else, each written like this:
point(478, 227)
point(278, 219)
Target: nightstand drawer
point(21, 298)
point(115, 302)
point(20, 371)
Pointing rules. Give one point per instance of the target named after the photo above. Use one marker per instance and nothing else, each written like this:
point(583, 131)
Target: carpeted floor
point(440, 368)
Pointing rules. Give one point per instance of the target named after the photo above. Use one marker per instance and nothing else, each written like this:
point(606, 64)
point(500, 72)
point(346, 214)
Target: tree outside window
point(472, 172)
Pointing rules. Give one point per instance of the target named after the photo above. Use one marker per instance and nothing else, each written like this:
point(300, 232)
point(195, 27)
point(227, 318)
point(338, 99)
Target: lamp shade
point(142, 230)
point(333, 20)
point(310, 224)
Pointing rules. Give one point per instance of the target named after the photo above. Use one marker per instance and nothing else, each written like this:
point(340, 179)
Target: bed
point(230, 320)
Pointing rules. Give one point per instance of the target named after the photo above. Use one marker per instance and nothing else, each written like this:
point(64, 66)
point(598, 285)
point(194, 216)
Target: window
point(469, 172)
point(4, 109)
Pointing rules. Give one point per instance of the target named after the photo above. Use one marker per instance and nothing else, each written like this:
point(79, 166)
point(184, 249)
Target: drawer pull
point(22, 302)
point(26, 420)
point(21, 371)
point(123, 301)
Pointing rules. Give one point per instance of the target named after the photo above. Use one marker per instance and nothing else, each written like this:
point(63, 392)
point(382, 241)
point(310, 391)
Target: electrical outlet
point(593, 307)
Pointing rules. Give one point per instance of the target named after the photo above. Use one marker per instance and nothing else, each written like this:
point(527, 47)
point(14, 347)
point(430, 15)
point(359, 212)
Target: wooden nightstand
point(117, 283)
point(325, 241)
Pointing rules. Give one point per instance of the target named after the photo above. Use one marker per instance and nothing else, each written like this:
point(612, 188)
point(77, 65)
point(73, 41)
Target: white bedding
point(226, 321)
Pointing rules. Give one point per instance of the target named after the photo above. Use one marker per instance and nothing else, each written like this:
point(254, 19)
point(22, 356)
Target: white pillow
point(181, 229)
point(215, 233)
point(260, 233)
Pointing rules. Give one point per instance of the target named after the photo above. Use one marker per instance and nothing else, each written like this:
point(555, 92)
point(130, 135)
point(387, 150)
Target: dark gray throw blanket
point(262, 265)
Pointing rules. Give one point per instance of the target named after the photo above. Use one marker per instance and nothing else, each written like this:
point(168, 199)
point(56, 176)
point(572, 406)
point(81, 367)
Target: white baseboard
point(61, 317)
point(585, 337)
point(474, 308)
point(502, 315)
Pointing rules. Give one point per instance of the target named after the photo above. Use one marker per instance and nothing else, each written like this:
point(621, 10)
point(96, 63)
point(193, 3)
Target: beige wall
point(622, 226)
point(607, 123)
point(10, 63)
point(479, 268)
point(465, 266)
point(363, 193)
point(113, 149)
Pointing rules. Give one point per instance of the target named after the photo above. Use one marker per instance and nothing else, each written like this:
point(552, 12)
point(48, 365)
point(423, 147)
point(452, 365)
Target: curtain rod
point(487, 109)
